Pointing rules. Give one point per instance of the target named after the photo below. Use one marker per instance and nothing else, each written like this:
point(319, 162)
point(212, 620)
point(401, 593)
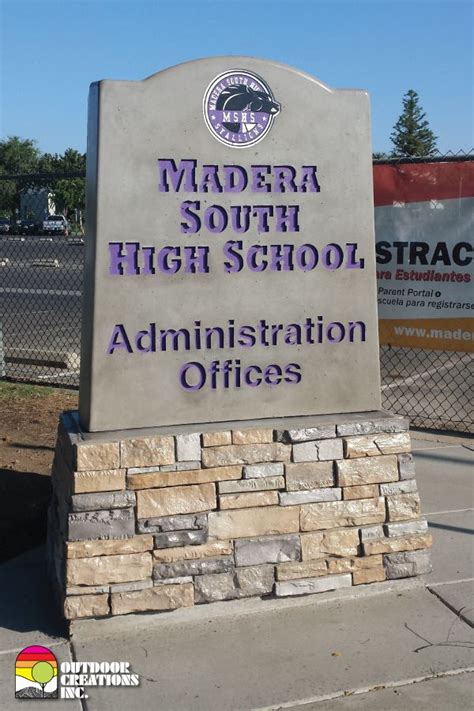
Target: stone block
point(306, 434)
point(162, 479)
point(408, 528)
point(207, 566)
point(371, 575)
point(131, 587)
point(257, 580)
point(97, 456)
point(248, 499)
point(245, 523)
point(406, 466)
point(395, 545)
point(147, 451)
point(374, 445)
point(252, 436)
point(108, 569)
point(115, 523)
point(403, 507)
point(90, 549)
point(211, 549)
point(268, 549)
point(214, 588)
point(388, 425)
point(175, 500)
point(331, 514)
point(174, 581)
point(339, 542)
point(216, 439)
point(399, 487)
point(188, 447)
point(309, 475)
point(263, 484)
point(318, 451)
point(370, 532)
point(350, 565)
point(171, 539)
point(373, 470)
point(245, 454)
point(307, 569)
point(367, 491)
point(172, 523)
point(408, 564)
point(79, 606)
point(306, 586)
point(87, 589)
point(98, 480)
point(176, 467)
point(293, 498)
point(102, 500)
point(162, 597)
point(244, 582)
point(260, 471)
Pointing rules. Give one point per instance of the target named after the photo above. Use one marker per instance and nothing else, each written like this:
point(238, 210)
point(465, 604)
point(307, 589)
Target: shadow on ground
point(24, 500)
point(26, 599)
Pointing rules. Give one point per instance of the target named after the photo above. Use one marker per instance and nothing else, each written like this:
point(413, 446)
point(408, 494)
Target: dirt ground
point(28, 423)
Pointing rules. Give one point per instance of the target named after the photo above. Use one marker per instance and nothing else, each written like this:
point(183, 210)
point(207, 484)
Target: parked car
point(29, 227)
point(4, 225)
point(56, 225)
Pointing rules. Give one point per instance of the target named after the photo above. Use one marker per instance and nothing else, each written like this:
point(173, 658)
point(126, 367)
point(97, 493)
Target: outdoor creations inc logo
point(37, 675)
point(239, 108)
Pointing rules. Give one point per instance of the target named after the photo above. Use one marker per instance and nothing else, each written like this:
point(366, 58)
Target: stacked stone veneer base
point(168, 521)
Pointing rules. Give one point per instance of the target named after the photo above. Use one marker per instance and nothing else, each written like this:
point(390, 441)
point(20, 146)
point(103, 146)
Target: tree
point(411, 134)
point(17, 155)
point(69, 193)
point(42, 673)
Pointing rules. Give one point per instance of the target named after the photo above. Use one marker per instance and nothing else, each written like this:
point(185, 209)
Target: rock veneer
point(167, 521)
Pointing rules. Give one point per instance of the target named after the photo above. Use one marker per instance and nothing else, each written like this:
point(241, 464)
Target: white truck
point(56, 225)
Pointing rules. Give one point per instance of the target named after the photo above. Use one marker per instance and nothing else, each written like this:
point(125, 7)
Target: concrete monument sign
point(230, 270)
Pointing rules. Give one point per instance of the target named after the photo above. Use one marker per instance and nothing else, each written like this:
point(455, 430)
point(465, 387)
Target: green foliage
point(69, 193)
point(17, 155)
point(411, 134)
point(20, 156)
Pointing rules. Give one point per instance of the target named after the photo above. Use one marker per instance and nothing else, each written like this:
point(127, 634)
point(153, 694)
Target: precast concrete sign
point(230, 261)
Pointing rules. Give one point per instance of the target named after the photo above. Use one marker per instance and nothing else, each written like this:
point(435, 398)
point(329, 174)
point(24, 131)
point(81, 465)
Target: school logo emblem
point(239, 108)
point(36, 674)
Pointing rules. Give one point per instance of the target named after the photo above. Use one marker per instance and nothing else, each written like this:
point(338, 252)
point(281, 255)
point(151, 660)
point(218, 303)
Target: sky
point(52, 50)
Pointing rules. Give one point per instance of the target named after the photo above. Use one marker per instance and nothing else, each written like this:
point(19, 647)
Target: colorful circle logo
point(239, 108)
point(36, 674)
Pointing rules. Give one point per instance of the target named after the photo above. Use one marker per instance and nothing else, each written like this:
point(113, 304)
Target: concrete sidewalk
point(409, 647)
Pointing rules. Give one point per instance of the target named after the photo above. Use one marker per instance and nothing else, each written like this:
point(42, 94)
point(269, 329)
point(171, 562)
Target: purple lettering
point(332, 256)
point(118, 258)
point(352, 262)
point(237, 263)
point(307, 257)
point(259, 185)
point(210, 179)
point(199, 371)
point(235, 179)
point(115, 343)
point(186, 212)
point(309, 182)
point(285, 179)
point(187, 170)
point(287, 218)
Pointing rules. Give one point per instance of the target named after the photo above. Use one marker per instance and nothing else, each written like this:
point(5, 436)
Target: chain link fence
point(41, 262)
